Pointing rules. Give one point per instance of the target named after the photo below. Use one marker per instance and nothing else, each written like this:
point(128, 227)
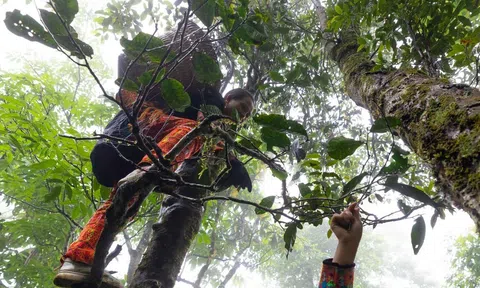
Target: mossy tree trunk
point(179, 223)
point(440, 121)
point(171, 239)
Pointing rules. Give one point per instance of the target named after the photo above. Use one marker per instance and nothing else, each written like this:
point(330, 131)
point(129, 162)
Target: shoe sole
point(67, 279)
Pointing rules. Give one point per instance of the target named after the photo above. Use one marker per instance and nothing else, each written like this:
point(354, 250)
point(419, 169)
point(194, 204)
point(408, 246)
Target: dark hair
point(184, 71)
point(239, 93)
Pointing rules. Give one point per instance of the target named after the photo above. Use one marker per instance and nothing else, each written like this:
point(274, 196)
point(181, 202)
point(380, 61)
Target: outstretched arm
point(337, 272)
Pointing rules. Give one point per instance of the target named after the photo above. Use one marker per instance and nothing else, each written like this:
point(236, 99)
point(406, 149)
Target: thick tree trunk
point(440, 120)
point(170, 242)
point(171, 238)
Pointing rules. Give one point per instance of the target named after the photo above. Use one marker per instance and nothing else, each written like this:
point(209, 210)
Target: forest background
point(38, 221)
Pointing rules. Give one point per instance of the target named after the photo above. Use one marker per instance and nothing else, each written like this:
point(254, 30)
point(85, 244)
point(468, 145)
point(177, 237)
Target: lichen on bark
point(440, 120)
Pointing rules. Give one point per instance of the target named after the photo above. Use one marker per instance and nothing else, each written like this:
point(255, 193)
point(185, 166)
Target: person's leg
point(168, 130)
point(79, 256)
point(83, 249)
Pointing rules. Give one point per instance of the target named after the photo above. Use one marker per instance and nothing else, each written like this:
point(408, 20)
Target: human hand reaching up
point(348, 228)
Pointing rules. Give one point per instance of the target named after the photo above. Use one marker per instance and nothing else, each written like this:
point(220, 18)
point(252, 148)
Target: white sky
point(433, 260)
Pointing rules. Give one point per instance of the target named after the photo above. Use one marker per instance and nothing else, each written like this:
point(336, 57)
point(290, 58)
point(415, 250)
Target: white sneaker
point(73, 272)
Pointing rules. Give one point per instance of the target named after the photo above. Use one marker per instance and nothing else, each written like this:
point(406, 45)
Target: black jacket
point(112, 161)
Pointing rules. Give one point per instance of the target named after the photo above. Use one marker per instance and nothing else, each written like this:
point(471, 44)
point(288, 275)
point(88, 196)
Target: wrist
point(345, 253)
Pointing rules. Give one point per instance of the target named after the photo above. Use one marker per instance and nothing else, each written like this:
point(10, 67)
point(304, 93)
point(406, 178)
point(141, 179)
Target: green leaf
point(76, 212)
point(456, 48)
point(61, 35)
point(49, 163)
point(313, 156)
point(294, 74)
point(3, 164)
point(382, 125)
point(274, 138)
point(53, 23)
point(465, 21)
point(206, 12)
point(275, 76)
point(266, 47)
point(340, 147)
point(15, 143)
point(250, 143)
point(280, 123)
point(290, 236)
point(206, 69)
point(315, 164)
point(353, 183)
point(304, 189)
point(441, 212)
point(95, 184)
point(329, 233)
point(382, 4)
point(338, 9)
point(145, 78)
point(434, 218)
point(128, 84)
point(404, 207)
point(252, 31)
point(203, 238)
point(175, 95)
point(399, 164)
point(266, 202)
point(389, 180)
point(105, 192)
point(67, 9)
point(335, 23)
point(68, 191)
point(295, 127)
point(159, 75)
point(331, 174)
point(418, 234)
point(28, 28)
point(54, 193)
point(412, 192)
point(280, 174)
point(323, 81)
point(276, 121)
point(67, 44)
point(156, 50)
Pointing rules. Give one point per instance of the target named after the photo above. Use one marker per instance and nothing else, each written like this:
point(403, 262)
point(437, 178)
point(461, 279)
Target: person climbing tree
point(170, 130)
point(124, 157)
point(112, 162)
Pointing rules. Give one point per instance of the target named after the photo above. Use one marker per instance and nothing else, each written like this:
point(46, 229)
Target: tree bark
point(440, 121)
point(230, 274)
point(171, 239)
point(136, 254)
point(179, 223)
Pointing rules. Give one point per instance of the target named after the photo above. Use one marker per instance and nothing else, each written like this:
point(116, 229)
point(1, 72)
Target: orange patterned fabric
point(167, 130)
point(83, 250)
point(169, 134)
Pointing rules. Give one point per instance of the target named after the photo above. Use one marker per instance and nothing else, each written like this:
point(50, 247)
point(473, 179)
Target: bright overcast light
point(433, 260)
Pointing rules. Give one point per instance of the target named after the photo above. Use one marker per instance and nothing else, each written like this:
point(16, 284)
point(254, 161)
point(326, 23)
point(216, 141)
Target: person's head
point(240, 100)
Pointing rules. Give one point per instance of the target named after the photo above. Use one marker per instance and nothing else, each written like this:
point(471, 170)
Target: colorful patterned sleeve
point(335, 275)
